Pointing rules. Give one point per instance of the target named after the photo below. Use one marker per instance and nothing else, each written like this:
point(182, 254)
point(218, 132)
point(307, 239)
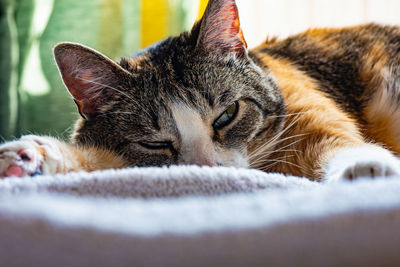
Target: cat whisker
point(287, 162)
point(264, 147)
point(294, 142)
point(302, 169)
point(272, 141)
point(286, 150)
point(290, 114)
point(260, 162)
point(264, 158)
point(280, 150)
point(266, 155)
point(281, 140)
point(267, 168)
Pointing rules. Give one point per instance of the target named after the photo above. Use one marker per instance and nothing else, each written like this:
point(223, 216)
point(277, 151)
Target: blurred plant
point(32, 96)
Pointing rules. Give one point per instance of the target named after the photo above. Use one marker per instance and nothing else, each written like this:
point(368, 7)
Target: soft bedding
point(197, 216)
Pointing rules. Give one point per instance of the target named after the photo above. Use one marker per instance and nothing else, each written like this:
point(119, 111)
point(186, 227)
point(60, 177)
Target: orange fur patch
point(320, 123)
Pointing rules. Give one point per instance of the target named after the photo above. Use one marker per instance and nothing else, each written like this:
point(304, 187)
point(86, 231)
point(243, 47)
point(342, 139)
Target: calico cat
point(323, 104)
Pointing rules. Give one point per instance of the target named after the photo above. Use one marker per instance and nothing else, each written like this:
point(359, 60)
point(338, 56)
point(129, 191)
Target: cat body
point(322, 104)
point(344, 85)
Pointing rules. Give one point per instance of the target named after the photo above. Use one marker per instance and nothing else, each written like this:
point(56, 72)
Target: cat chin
point(237, 160)
point(238, 163)
point(366, 161)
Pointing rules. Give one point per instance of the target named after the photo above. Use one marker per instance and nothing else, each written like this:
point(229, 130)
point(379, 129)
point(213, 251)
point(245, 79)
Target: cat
point(323, 104)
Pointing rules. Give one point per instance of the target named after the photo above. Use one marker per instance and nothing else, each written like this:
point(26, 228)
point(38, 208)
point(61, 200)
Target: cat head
point(197, 98)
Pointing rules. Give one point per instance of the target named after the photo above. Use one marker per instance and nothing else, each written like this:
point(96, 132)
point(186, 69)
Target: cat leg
point(32, 155)
point(35, 155)
point(361, 161)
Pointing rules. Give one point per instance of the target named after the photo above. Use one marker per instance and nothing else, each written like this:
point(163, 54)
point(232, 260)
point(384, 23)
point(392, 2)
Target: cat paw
point(365, 161)
point(29, 156)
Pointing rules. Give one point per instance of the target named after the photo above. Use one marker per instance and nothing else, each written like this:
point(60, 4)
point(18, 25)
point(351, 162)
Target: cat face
point(193, 99)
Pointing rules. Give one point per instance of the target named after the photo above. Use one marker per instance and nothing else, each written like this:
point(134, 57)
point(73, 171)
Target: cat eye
point(227, 117)
point(156, 145)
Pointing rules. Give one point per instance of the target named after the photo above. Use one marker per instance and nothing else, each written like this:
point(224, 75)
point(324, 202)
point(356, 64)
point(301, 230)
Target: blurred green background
point(32, 96)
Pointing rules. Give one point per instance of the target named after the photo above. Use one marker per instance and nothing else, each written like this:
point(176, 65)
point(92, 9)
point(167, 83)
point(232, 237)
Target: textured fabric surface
point(191, 216)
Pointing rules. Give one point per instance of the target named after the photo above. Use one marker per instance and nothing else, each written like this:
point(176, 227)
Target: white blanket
point(191, 216)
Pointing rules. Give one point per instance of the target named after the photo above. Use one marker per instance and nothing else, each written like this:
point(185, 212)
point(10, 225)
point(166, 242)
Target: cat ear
point(91, 78)
point(220, 28)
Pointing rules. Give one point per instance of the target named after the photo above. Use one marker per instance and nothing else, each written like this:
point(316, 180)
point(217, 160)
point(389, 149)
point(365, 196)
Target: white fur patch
point(197, 146)
point(362, 161)
point(49, 164)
